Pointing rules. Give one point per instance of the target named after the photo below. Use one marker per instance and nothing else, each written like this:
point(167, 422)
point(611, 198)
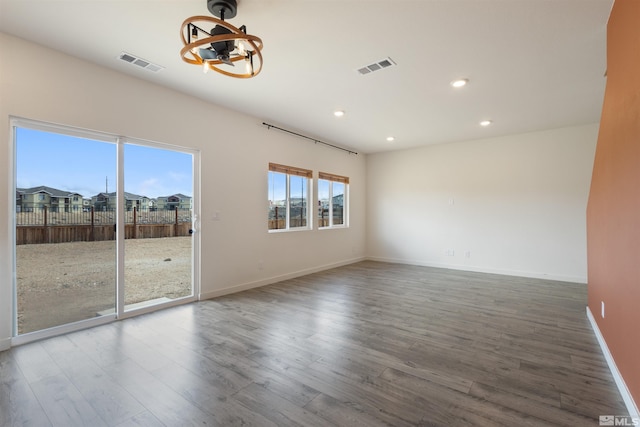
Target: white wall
point(517, 204)
point(41, 84)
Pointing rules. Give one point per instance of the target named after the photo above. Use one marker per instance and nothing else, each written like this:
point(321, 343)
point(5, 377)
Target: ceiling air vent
point(379, 65)
point(142, 63)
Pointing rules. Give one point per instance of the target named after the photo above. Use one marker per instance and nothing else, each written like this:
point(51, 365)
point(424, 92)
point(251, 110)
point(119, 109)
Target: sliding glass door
point(65, 248)
point(158, 236)
point(103, 227)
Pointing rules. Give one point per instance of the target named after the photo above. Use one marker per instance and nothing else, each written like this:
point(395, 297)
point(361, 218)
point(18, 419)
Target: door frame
point(195, 243)
point(119, 313)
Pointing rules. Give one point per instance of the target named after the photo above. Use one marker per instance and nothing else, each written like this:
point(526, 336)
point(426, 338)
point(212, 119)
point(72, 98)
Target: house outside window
point(288, 197)
point(332, 200)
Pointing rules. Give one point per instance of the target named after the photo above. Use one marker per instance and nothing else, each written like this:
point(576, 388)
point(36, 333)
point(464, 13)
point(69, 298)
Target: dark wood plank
point(35, 363)
point(281, 412)
point(144, 419)
point(18, 404)
point(64, 404)
point(160, 400)
point(109, 400)
point(366, 344)
point(342, 414)
point(550, 414)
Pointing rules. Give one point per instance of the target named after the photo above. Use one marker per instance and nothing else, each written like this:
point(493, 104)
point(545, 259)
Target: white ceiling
point(531, 64)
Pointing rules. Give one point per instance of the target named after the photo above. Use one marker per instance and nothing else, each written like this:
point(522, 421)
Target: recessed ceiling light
point(338, 113)
point(459, 82)
point(390, 139)
point(485, 123)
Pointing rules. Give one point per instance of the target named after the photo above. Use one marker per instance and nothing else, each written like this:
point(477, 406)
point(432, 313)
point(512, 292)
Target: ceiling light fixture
point(338, 113)
point(459, 82)
point(390, 139)
point(223, 45)
point(485, 123)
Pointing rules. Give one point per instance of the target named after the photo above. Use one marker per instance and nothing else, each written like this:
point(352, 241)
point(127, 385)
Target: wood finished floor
point(363, 345)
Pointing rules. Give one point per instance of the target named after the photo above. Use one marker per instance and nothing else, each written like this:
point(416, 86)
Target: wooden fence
point(32, 234)
point(277, 221)
point(98, 231)
point(91, 216)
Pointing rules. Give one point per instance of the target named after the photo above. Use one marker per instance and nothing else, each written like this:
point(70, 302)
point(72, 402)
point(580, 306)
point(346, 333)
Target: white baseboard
point(476, 269)
point(5, 344)
point(632, 408)
point(275, 279)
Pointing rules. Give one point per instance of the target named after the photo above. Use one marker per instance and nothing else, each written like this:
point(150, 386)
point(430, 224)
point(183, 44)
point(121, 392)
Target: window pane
point(65, 257)
point(298, 201)
point(338, 203)
point(277, 200)
point(158, 212)
point(323, 203)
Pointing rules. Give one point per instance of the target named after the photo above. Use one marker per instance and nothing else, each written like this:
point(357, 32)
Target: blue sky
point(278, 186)
point(82, 166)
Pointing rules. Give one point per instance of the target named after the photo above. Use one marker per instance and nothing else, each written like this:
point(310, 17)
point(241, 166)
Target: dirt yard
point(66, 282)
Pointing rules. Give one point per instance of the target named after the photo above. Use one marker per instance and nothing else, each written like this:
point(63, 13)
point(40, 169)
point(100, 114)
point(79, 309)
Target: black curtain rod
point(307, 137)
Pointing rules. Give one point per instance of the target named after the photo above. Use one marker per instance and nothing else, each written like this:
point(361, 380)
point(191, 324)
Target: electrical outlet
point(467, 254)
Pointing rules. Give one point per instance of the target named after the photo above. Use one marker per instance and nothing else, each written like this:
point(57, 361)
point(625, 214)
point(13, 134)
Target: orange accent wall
point(613, 211)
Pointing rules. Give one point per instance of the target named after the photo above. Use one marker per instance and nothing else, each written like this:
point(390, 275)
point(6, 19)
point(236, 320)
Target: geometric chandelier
point(224, 45)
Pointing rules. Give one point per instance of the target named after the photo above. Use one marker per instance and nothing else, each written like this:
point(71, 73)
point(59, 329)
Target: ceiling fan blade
point(207, 54)
point(225, 59)
point(210, 55)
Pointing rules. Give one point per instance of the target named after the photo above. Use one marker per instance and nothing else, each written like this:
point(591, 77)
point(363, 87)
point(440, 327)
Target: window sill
point(288, 230)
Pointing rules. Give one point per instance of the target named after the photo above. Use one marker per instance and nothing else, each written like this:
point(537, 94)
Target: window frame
point(332, 179)
point(290, 171)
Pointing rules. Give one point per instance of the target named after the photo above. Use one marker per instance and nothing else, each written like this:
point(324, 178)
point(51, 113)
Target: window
point(288, 197)
point(332, 200)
